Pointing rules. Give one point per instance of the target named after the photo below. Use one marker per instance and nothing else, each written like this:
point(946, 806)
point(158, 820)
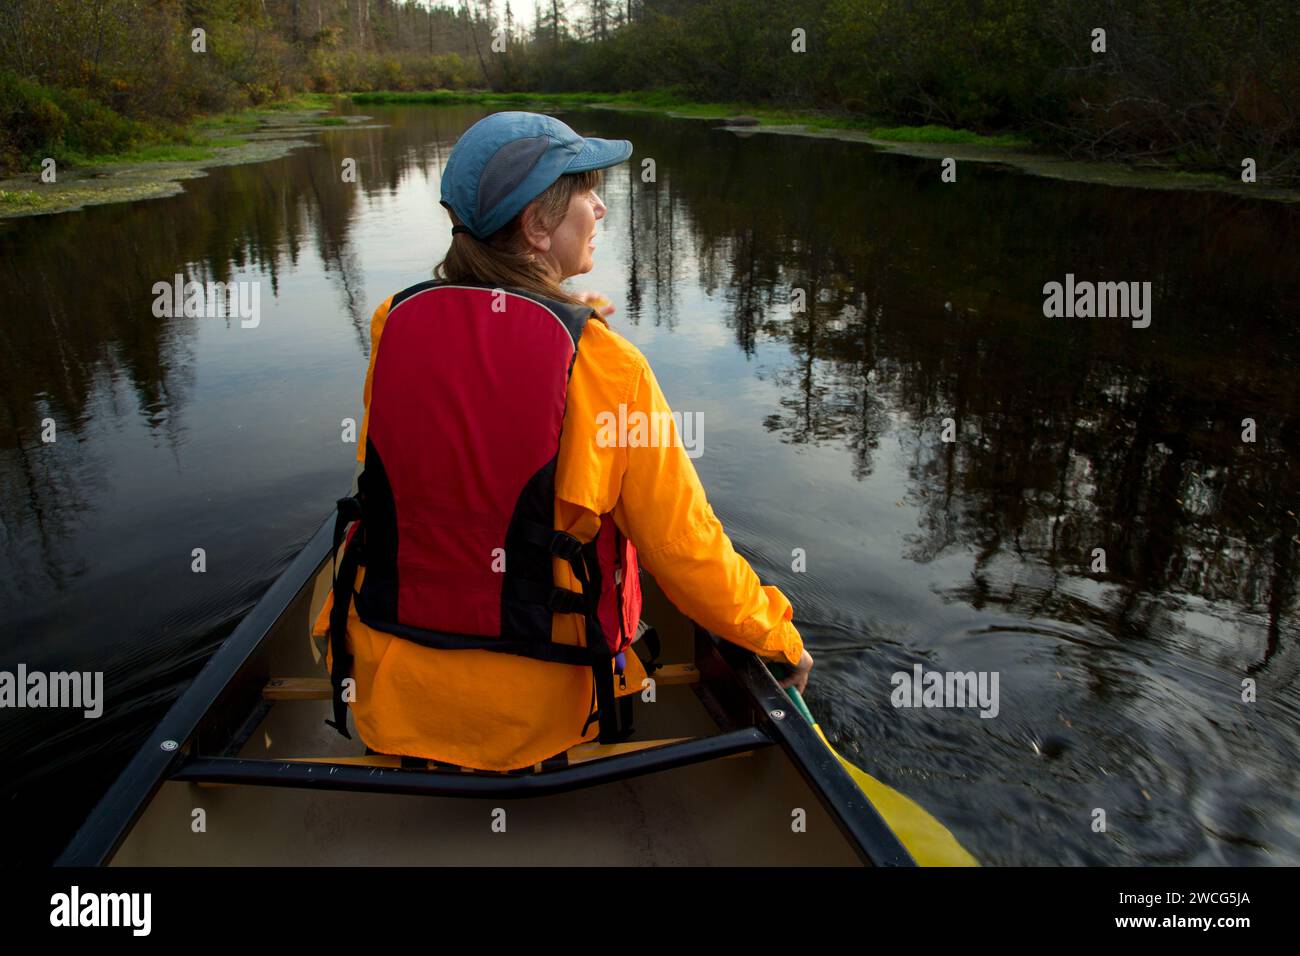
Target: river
point(1121, 683)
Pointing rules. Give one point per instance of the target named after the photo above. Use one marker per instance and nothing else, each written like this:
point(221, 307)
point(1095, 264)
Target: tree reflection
point(82, 346)
point(924, 304)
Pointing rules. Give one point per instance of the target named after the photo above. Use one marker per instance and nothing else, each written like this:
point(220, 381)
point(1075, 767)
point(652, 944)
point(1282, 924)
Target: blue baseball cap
point(506, 160)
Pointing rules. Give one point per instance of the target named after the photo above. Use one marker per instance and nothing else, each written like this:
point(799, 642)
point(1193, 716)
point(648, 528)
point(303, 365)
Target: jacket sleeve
point(663, 509)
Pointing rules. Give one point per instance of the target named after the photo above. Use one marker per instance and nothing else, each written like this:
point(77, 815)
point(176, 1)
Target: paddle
point(928, 840)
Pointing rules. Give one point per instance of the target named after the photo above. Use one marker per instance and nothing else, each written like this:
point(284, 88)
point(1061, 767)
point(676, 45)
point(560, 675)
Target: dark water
point(1119, 690)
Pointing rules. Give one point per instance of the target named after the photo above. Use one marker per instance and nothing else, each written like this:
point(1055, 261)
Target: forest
point(1183, 84)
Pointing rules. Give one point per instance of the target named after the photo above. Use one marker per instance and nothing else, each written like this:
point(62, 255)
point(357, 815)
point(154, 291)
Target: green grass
point(648, 100)
point(675, 102)
point(223, 120)
point(186, 146)
point(944, 134)
point(1203, 177)
point(644, 99)
point(257, 115)
point(450, 97)
point(238, 118)
point(154, 153)
point(23, 198)
point(203, 137)
point(304, 101)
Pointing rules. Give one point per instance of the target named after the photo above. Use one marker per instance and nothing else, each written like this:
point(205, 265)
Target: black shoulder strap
point(345, 576)
point(607, 711)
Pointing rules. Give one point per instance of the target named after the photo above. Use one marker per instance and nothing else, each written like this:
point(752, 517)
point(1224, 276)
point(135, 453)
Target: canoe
point(722, 770)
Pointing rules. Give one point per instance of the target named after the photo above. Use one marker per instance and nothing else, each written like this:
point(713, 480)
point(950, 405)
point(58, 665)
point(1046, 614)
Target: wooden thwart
point(582, 753)
point(318, 688)
point(297, 688)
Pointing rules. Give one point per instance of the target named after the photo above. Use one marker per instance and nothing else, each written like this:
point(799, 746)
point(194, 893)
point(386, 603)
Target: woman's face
point(574, 240)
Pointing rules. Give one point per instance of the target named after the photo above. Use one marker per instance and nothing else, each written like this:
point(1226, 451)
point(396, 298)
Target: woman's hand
point(598, 302)
point(799, 676)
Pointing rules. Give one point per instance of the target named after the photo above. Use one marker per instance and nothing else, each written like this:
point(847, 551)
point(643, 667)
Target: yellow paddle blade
point(928, 840)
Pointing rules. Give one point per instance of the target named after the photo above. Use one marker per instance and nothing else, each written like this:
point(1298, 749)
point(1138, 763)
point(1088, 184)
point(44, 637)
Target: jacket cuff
point(783, 644)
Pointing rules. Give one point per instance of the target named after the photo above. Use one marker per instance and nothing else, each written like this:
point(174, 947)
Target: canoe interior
point(734, 810)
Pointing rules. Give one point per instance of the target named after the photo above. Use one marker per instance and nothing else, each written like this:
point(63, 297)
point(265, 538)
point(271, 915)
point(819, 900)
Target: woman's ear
point(538, 239)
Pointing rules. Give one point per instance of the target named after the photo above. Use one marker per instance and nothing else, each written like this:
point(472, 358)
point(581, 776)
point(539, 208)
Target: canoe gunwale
point(126, 798)
point(860, 822)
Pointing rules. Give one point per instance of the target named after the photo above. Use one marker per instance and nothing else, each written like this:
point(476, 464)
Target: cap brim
point(598, 154)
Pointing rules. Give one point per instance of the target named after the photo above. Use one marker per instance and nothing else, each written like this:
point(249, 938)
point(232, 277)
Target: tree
point(552, 21)
point(602, 15)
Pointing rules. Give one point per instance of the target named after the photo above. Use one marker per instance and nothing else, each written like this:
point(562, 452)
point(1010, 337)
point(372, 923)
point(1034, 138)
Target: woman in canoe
point(481, 530)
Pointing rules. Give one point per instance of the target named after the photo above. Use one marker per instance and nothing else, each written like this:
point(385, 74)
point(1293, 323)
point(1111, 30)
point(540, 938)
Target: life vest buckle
point(564, 545)
point(564, 601)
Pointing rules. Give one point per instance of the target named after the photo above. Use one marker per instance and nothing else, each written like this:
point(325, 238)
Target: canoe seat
point(318, 688)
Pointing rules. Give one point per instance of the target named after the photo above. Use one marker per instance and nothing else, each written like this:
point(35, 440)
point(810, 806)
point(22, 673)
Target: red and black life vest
point(453, 517)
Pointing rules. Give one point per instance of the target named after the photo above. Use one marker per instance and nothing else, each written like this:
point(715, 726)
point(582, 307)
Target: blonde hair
point(503, 259)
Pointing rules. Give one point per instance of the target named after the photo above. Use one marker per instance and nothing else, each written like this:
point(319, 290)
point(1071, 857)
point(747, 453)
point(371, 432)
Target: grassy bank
point(155, 165)
point(76, 129)
point(154, 162)
point(676, 104)
point(1023, 152)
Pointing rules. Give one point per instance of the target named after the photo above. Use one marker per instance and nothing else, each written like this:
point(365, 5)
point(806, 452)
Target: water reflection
point(922, 305)
point(1099, 499)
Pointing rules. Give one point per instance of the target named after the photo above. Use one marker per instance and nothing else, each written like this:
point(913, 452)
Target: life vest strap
point(564, 601)
point(347, 510)
point(614, 714)
point(558, 600)
point(608, 708)
point(648, 636)
point(345, 575)
point(549, 651)
point(559, 543)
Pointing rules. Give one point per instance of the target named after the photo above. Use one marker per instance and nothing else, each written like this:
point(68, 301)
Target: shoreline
point(1047, 165)
point(263, 135)
point(272, 132)
point(1006, 150)
point(1029, 161)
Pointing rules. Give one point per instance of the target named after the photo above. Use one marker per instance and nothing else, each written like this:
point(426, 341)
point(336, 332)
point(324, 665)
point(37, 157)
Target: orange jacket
point(502, 712)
